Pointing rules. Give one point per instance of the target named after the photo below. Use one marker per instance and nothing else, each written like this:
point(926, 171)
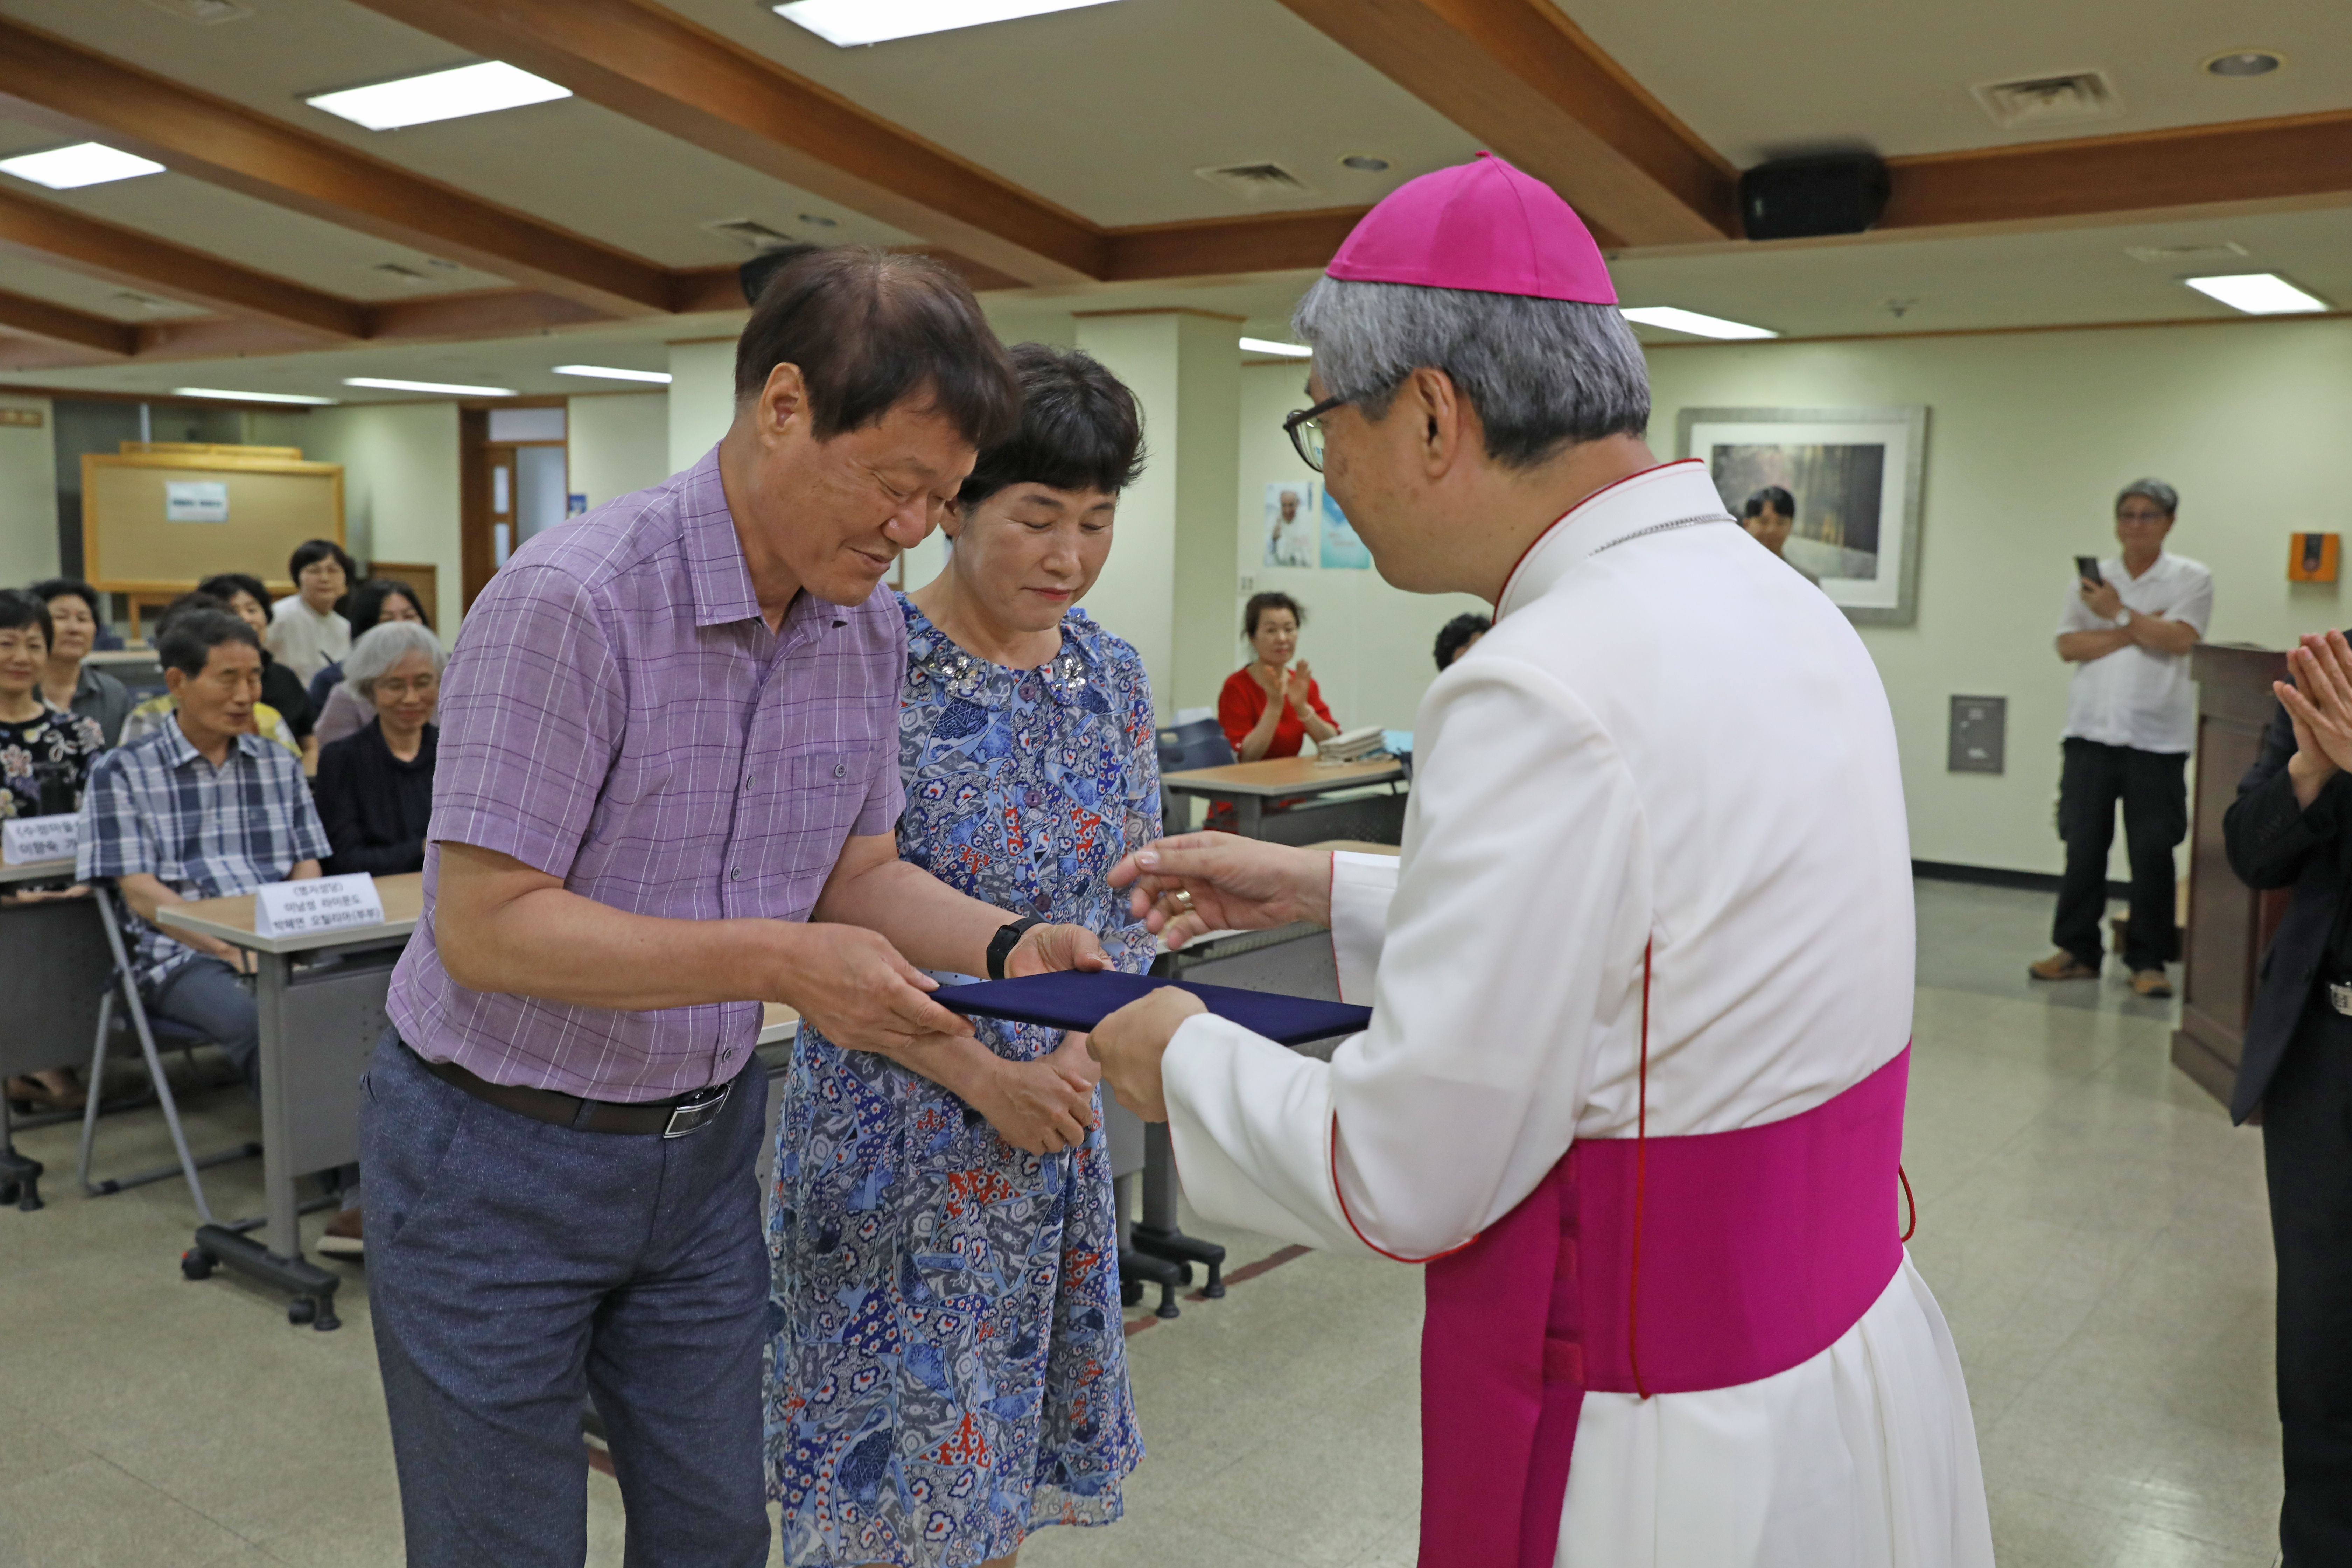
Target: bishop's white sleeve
point(1363, 887)
point(1513, 946)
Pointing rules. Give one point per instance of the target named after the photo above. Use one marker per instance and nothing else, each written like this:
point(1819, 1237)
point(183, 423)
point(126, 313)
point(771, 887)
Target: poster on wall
point(1855, 475)
point(1341, 548)
point(1290, 524)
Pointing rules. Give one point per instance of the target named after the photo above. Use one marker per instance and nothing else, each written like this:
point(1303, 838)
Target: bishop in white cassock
point(1641, 981)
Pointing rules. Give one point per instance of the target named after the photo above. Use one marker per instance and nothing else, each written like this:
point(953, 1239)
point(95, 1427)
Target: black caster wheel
point(301, 1309)
point(197, 1265)
point(7, 1194)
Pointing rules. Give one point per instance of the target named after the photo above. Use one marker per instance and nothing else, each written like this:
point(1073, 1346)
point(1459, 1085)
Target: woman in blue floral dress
point(951, 1369)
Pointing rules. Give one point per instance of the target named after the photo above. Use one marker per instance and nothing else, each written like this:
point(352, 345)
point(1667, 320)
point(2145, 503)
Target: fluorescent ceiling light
point(381, 384)
point(608, 373)
point(1691, 321)
point(2257, 293)
point(250, 396)
point(850, 23)
point(439, 95)
point(85, 163)
point(1268, 346)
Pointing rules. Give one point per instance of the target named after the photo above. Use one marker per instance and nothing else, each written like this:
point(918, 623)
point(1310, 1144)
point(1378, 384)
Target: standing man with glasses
point(2131, 720)
point(666, 785)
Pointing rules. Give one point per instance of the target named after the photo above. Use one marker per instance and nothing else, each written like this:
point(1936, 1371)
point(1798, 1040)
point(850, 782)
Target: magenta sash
point(1759, 1249)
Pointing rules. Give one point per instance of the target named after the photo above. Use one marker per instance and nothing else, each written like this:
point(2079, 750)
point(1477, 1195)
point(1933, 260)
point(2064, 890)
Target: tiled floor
point(2094, 1226)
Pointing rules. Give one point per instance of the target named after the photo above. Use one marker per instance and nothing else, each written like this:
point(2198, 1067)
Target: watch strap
point(1007, 938)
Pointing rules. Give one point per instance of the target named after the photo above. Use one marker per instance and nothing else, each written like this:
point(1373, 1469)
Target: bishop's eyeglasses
point(1305, 428)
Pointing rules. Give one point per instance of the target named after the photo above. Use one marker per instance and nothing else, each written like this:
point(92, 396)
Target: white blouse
point(305, 641)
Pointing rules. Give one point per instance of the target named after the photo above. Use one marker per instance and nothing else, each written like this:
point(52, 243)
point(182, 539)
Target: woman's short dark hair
point(1259, 604)
point(226, 585)
point(19, 609)
point(1458, 634)
point(870, 329)
point(185, 641)
point(1773, 496)
point(189, 604)
point(366, 608)
point(56, 587)
point(1081, 429)
point(310, 553)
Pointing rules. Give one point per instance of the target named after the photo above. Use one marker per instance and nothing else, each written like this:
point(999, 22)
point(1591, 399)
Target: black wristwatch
point(1007, 938)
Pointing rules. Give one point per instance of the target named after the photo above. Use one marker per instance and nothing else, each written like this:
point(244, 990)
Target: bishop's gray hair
point(1542, 374)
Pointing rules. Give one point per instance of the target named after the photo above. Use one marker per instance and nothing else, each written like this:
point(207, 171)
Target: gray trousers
point(515, 1268)
point(207, 995)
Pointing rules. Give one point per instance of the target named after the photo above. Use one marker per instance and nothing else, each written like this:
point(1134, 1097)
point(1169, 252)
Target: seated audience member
point(45, 759)
point(1270, 706)
point(248, 601)
point(152, 714)
point(377, 599)
point(375, 788)
point(1768, 517)
point(68, 683)
point(305, 632)
point(1455, 636)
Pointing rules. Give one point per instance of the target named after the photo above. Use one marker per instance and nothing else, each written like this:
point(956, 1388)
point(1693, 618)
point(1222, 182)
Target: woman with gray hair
point(375, 787)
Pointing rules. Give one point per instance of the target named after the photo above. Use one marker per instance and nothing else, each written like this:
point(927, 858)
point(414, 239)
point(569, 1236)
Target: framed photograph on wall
point(1289, 524)
point(1856, 474)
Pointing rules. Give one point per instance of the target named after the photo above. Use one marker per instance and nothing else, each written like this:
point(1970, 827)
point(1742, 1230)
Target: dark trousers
point(516, 1268)
point(2307, 1155)
point(2153, 788)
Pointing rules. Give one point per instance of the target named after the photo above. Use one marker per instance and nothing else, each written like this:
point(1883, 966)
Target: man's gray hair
point(1542, 374)
point(383, 645)
point(2166, 499)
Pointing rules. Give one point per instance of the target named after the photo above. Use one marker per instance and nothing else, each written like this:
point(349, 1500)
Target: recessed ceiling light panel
point(445, 389)
point(253, 396)
point(1674, 318)
point(83, 164)
point(610, 372)
point(439, 95)
point(2242, 63)
point(1268, 346)
point(851, 23)
point(2258, 294)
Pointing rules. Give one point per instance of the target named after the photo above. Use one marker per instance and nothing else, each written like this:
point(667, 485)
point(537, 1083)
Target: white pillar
point(1168, 587)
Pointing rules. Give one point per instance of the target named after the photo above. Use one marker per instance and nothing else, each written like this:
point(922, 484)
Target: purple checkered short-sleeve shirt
point(617, 714)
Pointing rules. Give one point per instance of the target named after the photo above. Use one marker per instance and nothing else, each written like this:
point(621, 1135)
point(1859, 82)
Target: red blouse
point(1243, 704)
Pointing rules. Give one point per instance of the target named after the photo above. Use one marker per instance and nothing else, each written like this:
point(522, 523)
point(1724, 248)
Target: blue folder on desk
point(1079, 999)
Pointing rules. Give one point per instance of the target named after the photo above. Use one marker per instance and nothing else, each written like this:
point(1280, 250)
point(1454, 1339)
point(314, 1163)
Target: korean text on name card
point(321, 904)
point(30, 840)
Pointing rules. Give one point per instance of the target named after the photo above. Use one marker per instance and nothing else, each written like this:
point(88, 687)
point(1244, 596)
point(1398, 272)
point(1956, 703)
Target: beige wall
point(618, 442)
point(2028, 437)
point(400, 487)
point(701, 399)
point(28, 496)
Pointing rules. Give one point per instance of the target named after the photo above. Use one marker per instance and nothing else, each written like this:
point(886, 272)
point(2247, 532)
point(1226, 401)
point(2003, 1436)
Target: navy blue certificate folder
point(1079, 999)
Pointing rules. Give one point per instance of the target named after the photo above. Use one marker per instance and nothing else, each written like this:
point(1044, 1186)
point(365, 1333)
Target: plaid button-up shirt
point(156, 805)
point(616, 713)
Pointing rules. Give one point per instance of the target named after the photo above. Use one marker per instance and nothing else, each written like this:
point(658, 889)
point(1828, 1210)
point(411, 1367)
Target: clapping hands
point(2319, 703)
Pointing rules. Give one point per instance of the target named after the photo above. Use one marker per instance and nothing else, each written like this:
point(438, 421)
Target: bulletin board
point(239, 512)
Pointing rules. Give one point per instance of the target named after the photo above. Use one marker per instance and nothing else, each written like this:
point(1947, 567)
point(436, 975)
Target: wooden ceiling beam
point(98, 336)
point(1521, 77)
point(659, 68)
point(54, 81)
point(1223, 247)
point(125, 256)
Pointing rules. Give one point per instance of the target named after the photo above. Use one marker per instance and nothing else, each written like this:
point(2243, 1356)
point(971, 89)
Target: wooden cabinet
point(2229, 923)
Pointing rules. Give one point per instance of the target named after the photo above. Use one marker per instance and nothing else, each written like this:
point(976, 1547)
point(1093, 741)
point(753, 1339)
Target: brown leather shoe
point(2062, 965)
point(2151, 983)
point(342, 1237)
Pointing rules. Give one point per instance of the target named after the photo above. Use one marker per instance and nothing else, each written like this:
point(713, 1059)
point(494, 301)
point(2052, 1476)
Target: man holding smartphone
point(2128, 627)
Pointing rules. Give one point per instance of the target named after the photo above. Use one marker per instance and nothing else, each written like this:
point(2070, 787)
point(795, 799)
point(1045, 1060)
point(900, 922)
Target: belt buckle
point(2339, 996)
point(694, 1116)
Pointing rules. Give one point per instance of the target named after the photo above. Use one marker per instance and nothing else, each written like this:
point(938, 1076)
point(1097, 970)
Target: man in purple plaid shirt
point(666, 793)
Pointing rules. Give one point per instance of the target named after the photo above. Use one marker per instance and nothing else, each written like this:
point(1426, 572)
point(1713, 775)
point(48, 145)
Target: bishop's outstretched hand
point(1198, 883)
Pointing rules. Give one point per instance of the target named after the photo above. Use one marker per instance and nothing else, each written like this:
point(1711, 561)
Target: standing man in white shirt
point(2131, 720)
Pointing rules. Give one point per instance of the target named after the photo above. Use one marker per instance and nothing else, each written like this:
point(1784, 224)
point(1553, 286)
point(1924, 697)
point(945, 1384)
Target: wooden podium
point(2229, 923)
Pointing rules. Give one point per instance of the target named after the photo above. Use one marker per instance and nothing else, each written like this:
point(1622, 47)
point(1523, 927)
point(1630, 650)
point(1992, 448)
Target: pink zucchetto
point(1481, 225)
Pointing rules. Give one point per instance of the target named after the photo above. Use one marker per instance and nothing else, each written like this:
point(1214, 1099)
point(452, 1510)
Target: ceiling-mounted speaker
point(1796, 199)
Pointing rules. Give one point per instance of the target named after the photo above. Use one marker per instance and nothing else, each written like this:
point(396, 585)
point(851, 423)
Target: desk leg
point(280, 1262)
point(1247, 811)
point(1156, 1232)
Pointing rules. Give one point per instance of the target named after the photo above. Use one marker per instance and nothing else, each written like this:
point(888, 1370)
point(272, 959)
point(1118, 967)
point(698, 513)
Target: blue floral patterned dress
point(951, 1369)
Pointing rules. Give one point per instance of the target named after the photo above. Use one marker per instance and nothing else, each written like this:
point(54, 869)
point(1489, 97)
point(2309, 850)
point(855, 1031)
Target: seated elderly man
point(200, 807)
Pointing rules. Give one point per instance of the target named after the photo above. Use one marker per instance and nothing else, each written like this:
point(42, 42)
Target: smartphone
point(2086, 567)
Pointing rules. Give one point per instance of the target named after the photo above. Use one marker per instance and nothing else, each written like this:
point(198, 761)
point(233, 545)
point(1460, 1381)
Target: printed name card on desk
point(319, 904)
point(29, 840)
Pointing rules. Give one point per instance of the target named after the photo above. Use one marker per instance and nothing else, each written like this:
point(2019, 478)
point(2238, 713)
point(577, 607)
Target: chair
point(1201, 743)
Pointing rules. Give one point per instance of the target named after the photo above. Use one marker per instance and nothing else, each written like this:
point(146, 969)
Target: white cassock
point(1670, 740)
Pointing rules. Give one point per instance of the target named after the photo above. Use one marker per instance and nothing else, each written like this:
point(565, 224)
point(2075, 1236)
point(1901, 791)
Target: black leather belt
point(672, 1117)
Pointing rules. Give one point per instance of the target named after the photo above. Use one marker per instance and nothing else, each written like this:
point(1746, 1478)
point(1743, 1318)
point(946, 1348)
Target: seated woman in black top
point(375, 788)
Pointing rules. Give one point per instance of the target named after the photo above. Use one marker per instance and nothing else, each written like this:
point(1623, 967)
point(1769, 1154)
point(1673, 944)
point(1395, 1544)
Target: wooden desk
point(37, 871)
point(1250, 786)
point(2228, 923)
